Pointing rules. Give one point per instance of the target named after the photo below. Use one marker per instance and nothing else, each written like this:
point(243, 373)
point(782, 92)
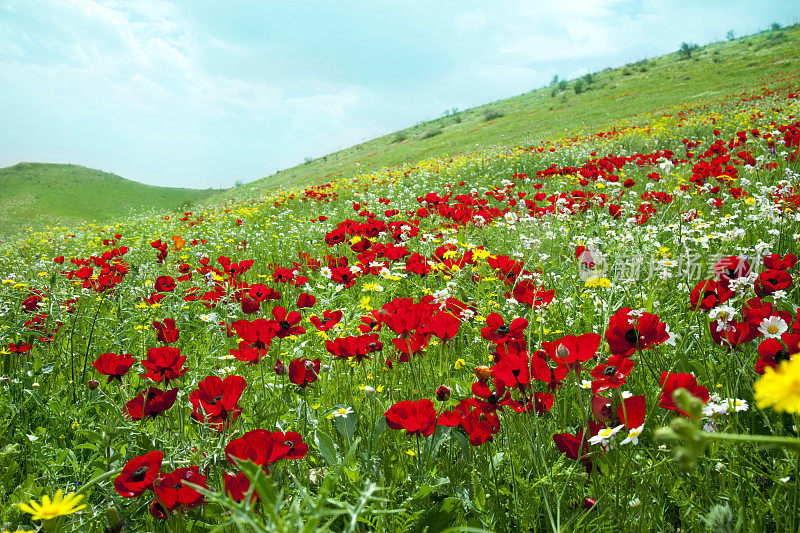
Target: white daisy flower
point(773, 327)
point(633, 435)
point(605, 435)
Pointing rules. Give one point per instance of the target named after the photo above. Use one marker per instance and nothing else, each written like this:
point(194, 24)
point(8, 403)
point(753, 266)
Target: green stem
point(755, 439)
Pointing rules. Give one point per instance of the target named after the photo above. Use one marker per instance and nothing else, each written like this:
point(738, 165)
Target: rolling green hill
point(649, 85)
point(33, 194)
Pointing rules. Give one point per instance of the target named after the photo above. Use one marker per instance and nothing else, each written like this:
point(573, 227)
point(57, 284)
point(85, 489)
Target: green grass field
point(35, 194)
point(615, 94)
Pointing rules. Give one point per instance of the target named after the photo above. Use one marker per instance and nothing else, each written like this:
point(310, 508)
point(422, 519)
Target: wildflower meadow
point(593, 332)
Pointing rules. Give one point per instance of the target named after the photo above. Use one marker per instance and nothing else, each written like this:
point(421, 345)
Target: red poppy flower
point(612, 374)
point(259, 293)
point(492, 400)
point(163, 364)
point(771, 281)
point(150, 402)
point(417, 418)
point(347, 347)
point(526, 292)
point(733, 333)
point(627, 334)
point(513, 368)
point(343, 276)
point(443, 325)
point(303, 372)
point(480, 427)
point(771, 352)
point(172, 492)
point(263, 447)
point(238, 486)
point(403, 315)
point(371, 322)
point(573, 350)
point(672, 381)
point(114, 365)
point(250, 306)
point(729, 268)
point(287, 323)
point(257, 334)
point(164, 284)
point(329, 319)
point(632, 411)
point(166, 332)
point(19, 347)
point(708, 294)
point(776, 262)
point(498, 332)
point(305, 300)
point(138, 475)
point(215, 400)
point(543, 372)
point(576, 446)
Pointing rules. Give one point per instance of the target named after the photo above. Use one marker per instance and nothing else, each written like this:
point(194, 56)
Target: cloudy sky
point(201, 93)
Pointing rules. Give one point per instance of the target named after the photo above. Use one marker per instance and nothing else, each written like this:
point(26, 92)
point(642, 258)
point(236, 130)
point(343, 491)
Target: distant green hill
point(34, 194)
point(588, 103)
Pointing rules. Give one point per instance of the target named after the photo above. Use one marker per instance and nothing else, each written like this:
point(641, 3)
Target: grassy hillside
point(712, 71)
point(33, 194)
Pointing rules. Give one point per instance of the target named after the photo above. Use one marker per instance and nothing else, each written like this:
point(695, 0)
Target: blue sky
point(203, 93)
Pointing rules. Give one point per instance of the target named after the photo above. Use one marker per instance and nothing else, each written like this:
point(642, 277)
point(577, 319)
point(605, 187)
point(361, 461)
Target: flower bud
point(369, 391)
point(689, 404)
point(483, 373)
point(562, 351)
point(280, 368)
point(443, 393)
point(114, 520)
point(309, 364)
point(93, 384)
point(325, 368)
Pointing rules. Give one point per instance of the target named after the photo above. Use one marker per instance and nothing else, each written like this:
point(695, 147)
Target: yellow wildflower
point(780, 389)
point(59, 506)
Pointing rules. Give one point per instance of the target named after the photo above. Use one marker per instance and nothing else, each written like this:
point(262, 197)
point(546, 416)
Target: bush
point(491, 114)
point(399, 137)
point(775, 27)
point(579, 86)
point(431, 133)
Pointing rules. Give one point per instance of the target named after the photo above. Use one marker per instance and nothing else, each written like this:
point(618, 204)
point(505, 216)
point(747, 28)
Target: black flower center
point(372, 324)
point(492, 398)
point(610, 370)
point(781, 355)
point(289, 443)
point(344, 276)
point(708, 294)
point(285, 325)
point(216, 399)
point(140, 474)
point(503, 330)
point(632, 335)
point(730, 272)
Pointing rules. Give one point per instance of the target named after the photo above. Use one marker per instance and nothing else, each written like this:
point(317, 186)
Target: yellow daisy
point(59, 506)
point(780, 389)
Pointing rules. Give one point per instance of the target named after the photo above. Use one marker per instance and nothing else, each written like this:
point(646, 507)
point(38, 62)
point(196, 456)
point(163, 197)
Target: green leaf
point(440, 517)
point(326, 447)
